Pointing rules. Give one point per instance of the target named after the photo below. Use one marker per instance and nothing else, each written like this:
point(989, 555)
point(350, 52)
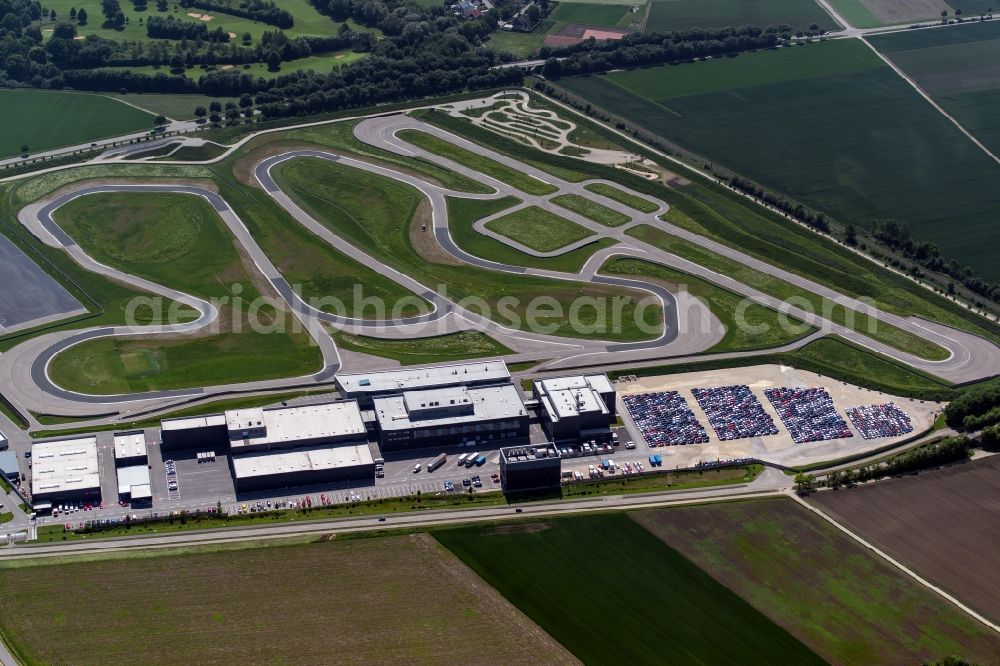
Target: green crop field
point(592, 14)
point(849, 137)
point(613, 593)
point(538, 229)
point(843, 602)
point(46, 119)
point(178, 241)
point(959, 68)
point(667, 15)
point(382, 218)
point(354, 601)
point(856, 13)
point(755, 327)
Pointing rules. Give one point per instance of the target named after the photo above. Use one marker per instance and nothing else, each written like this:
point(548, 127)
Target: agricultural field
point(959, 68)
point(818, 584)
point(944, 524)
point(178, 241)
point(667, 15)
point(582, 600)
point(856, 141)
point(594, 14)
point(177, 107)
point(354, 601)
point(876, 13)
point(47, 119)
point(569, 18)
point(538, 229)
point(379, 215)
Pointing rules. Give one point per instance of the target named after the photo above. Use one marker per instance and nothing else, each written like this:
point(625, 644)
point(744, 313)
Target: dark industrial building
point(530, 468)
point(576, 408)
point(202, 432)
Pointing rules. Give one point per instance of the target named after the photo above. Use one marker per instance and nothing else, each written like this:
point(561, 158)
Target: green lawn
point(613, 593)
point(786, 291)
point(376, 214)
point(595, 14)
point(876, 150)
point(630, 200)
point(420, 351)
point(668, 15)
point(521, 44)
point(178, 107)
point(484, 165)
point(749, 326)
point(46, 119)
point(178, 241)
point(957, 67)
point(591, 209)
point(463, 213)
point(845, 603)
point(539, 229)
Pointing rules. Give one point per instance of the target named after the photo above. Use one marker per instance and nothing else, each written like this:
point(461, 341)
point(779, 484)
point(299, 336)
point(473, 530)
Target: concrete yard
point(778, 448)
point(30, 296)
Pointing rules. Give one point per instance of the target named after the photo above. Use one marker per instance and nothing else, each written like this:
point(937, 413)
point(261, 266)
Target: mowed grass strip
point(875, 149)
point(46, 119)
point(613, 593)
point(176, 240)
point(747, 327)
point(267, 605)
point(591, 210)
point(669, 15)
point(485, 165)
point(630, 200)
point(845, 603)
point(436, 349)
point(380, 216)
point(462, 215)
point(538, 229)
point(786, 291)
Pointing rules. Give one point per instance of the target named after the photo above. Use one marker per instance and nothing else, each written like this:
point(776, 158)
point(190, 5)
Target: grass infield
point(538, 229)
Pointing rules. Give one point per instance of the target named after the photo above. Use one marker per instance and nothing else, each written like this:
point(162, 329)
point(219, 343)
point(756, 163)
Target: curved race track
point(688, 328)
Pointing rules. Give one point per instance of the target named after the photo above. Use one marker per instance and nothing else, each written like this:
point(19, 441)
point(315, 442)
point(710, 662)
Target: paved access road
point(688, 326)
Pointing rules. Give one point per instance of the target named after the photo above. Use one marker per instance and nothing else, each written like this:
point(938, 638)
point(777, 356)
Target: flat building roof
point(567, 397)
point(388, 381)
point(130, 445)
point(301, 460)
point(193, 422)
point(63, 466)
point(129, 477)
point(287, 425)
point(488, 403)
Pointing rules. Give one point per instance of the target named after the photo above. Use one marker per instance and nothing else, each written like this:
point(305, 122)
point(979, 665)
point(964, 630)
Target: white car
point(416, 468)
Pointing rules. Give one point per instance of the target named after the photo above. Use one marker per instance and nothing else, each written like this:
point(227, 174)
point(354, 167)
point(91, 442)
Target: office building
point(530, 468)
point(365, 387)
point(575, 408)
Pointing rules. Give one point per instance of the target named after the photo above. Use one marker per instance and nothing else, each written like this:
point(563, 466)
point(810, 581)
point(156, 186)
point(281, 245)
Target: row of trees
point(942, 452)
point(264, 11)
point(798, 211)
point(972, 405)
point(158, 27)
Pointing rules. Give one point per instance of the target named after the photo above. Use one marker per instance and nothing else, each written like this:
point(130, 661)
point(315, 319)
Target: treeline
point(798, 211)
point(158, 27)
point(974, 407)
point(896, 235)
point(942, 452)
point(255, 10)
point(642, 49)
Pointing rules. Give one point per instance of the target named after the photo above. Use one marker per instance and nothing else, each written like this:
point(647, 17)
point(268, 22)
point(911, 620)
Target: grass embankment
point(198, 409)
point(680, 480)
point(589, 563)
point(494, 169)
point(463, 213)
point(420, 351)
point(47, 119)
point(538, 229)
point(591, 209)
point(786, 291)
point(377, 215)
point(831, 357)
point(748, 325)
point(442, 500)
point(718, 213)
point(630, 200)
point(12, 414)
point(276, 596)
point(842, 601)
point(179, 241)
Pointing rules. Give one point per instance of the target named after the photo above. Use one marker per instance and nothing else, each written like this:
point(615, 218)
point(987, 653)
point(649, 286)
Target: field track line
point(927, 97)
point(912, 574)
